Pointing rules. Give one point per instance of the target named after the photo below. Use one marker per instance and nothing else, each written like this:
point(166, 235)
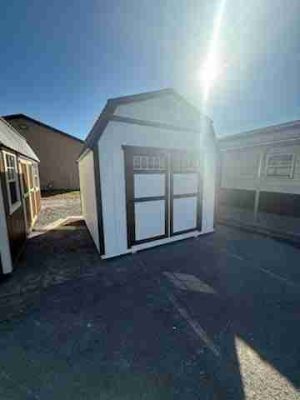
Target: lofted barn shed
point(147, 173)
point(19, 194)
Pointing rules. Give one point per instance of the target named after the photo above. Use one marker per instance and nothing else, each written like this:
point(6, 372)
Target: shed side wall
point(88, 195)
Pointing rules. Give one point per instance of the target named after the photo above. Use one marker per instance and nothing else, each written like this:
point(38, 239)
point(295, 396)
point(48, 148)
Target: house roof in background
point(13, 140)
point(268, 129)
point(288, 131)
point(111, 105)
point(24, 116)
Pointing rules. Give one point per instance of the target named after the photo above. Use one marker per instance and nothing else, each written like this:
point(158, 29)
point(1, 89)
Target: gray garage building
point(260, 179)
point(57, 151)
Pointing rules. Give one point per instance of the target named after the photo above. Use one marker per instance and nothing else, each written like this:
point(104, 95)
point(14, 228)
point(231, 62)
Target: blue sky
point(61, 59)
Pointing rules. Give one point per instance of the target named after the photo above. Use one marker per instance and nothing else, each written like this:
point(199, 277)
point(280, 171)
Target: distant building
point(260, 179)
point(19, 194)
point(56, 150)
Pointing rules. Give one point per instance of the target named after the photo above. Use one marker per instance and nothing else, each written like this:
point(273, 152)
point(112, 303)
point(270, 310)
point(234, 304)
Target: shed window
point(185, 163)
point(149, 163)
point(11, 173)
point(280, 165)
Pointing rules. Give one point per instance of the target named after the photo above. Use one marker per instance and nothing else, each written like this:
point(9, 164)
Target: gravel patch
point(58, 206)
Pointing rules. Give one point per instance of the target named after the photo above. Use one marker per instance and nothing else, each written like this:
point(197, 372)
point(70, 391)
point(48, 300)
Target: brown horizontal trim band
point(152, 124)
point(149, 172)
point(152, 198)
point(183, 195)
point(151, 239)
point(133, 98)
point(150, 150)
point(184, 231)
point(194, 171)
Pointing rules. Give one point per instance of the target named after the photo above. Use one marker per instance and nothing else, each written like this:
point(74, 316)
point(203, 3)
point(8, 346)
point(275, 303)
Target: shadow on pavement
point(115, 334)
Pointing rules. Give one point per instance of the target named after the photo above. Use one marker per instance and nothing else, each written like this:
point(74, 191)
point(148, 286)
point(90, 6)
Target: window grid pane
point(280, 165)
point(11, 174)
point(149, 163)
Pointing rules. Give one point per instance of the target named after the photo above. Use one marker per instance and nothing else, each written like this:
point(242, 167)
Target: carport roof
point(11, 138)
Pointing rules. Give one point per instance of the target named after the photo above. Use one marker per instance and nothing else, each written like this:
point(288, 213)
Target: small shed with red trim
point(147, 173)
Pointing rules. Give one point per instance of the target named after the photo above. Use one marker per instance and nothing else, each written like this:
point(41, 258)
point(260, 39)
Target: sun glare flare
point(212, 66)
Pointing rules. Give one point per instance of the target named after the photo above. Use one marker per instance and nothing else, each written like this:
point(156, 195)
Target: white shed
point(147, 173)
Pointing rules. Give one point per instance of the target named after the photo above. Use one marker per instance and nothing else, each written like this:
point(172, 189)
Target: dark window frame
point(12, 180)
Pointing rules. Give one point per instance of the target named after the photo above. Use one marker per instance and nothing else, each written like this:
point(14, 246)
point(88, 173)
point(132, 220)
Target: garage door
point(162, 193)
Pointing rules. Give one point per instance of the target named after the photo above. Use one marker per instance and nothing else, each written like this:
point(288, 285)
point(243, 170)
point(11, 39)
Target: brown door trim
point(197, 194)
point(129, 152)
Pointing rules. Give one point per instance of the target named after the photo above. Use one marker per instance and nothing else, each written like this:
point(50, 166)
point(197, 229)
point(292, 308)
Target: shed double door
point(163, 193)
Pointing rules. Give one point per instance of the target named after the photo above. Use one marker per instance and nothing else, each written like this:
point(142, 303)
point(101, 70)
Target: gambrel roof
point(11, 139)
point(118, 109)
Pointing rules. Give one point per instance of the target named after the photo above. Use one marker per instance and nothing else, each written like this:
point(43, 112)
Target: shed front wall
point(112, 171)
point(88, 195)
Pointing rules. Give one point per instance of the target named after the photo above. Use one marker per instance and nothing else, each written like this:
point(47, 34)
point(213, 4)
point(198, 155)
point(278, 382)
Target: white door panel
point(161, 182)
point(185, 183)
point(149, 219)
point(149, 185)
point(184, 214)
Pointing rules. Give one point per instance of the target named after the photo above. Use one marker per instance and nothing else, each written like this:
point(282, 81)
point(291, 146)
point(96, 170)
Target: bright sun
point(210, 71)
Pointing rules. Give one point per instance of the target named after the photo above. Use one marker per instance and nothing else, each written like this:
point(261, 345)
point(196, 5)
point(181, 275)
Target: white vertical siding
point(4, 243)
point(112, 173)
point(88, 195)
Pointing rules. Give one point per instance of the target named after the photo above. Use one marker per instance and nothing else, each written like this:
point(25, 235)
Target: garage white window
point(12, 182)
point(280, 165)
